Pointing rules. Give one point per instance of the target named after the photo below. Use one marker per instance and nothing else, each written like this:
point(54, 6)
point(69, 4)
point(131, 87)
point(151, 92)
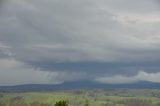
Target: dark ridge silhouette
point(78, 85)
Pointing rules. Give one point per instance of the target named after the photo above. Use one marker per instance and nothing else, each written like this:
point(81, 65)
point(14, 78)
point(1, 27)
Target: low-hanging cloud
point(121, 79)
point(15, 73)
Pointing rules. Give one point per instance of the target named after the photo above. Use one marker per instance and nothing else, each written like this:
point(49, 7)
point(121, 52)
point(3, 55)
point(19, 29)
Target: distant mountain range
point(78, 85)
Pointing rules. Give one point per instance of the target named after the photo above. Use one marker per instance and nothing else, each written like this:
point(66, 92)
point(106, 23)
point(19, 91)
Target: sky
point(55, 41)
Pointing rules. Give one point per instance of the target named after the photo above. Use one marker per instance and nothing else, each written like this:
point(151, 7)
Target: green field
point(110, 97)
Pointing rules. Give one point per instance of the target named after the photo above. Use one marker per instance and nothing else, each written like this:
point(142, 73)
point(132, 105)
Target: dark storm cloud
point(83, 36)
point(111, 68)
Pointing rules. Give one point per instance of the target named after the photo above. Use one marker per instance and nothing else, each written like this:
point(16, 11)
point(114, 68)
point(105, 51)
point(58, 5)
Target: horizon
point(53, 42)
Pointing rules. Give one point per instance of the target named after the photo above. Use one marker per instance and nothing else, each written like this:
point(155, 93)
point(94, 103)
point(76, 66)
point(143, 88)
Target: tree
point(61, 103)
point(86, 103)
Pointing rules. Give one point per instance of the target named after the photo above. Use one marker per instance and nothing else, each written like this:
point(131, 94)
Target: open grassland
point(110, 97)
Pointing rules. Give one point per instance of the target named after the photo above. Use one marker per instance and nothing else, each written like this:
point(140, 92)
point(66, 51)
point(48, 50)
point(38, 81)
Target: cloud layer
point(121, 79)
point(88, 38)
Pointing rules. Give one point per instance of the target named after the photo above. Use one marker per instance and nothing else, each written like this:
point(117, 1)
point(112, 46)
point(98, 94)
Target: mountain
point(78, 85)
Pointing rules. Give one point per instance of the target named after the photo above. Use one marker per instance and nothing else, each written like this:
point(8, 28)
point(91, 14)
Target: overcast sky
point(53, 41)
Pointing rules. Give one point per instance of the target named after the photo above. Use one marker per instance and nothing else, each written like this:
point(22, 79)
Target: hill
point(79, 85)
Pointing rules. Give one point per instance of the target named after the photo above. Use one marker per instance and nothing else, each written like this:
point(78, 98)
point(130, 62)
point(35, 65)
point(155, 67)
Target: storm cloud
point(61, 40)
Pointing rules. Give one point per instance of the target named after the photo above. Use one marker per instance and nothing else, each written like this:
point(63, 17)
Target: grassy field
point(110, 97)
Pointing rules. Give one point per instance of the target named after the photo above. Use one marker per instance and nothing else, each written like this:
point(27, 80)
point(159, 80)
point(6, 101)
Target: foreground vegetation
point(111, 97)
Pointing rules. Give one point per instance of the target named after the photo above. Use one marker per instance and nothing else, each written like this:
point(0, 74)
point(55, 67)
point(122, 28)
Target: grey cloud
point(83, 36)
point(129, 6)
point(121, 79)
